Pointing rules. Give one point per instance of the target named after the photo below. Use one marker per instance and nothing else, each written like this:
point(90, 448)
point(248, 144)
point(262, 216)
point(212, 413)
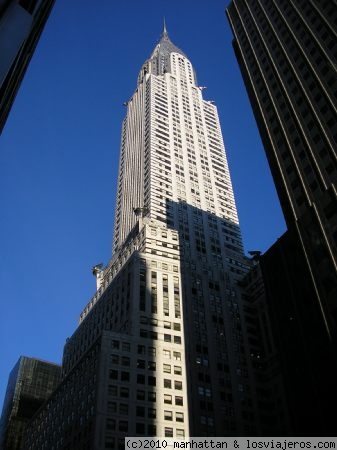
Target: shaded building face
point(287, 53)
point(21, 24)
point(306, 356)
point(30, 384)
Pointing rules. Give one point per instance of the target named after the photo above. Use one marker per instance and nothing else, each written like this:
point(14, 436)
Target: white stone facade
point(172, 147)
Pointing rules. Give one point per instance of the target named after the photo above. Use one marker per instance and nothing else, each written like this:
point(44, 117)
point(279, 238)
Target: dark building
point(273, 410)
point(21, 24)
point(305, 356)
point(287, 53)
point(29, 385)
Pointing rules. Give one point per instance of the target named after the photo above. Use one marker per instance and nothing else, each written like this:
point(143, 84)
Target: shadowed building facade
point(287, 53)
point(304, 351)
point(30, 384)
point(21, 24)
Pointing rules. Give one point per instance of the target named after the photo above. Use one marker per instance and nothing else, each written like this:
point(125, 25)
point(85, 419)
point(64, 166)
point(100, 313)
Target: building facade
point(287, 53)
point(30, 384)
point(21, 24)
point(305, 359)
point(161, 348)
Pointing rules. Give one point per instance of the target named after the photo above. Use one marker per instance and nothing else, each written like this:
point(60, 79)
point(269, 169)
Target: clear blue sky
point(60, 147)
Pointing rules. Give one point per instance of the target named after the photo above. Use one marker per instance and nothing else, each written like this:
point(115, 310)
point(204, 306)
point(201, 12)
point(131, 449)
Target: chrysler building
point(162, 348)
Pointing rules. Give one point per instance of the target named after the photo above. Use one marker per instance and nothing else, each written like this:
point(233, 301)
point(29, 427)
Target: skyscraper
point(30, 384)
point(287, 52)
point(21, 24)
point(161, 348)
point(173, 172)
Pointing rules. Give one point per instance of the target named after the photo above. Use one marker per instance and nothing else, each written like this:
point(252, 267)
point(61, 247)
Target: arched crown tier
point(159, 62)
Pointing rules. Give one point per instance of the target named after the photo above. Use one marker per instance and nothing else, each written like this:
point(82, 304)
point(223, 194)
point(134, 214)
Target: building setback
point(30, 384)
point(21, 24)
point(162, 348)
point(287, 52)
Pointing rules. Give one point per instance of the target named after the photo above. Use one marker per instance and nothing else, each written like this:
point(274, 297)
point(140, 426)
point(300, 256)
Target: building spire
point(164, 33)
point(159, 61)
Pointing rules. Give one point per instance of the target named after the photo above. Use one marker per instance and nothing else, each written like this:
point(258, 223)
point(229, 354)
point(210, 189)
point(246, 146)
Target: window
point(177, 370)
point(153, 335)
point(124, 392)
point(123, 425)
point(178, 385)
point(167, 368)
point(168, 415)
point(167, 337)
point(151, 413)
point(114, 359)
point(112, 407)
point(140, 364)
point(140, 395)
point(168, 399)
point(140, 379)
point(180, 433)
point(123, 409)
point(151, 365)
point(177, 356)
point(179, 417)
point(179, 401)
point(141, 349)
point(115, 344)
point(151, 381)
point(125, 360)
point(140, 411)
point(113, 374)
point(112, 390)
point(151, 351)
point(125, 376)
point(151, 396)
point(151, 430)
point(168, 432)
point(167, 354)
point(167, 383)
point(110, 424)
point(125, 346)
